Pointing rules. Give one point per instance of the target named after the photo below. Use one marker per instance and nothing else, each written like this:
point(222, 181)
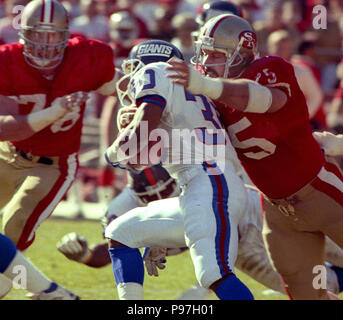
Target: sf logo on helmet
point(249, 39)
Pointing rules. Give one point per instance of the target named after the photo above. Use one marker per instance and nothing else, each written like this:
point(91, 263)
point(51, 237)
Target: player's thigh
point(160, 224)
point(10, 177)
point(33, 201)
point(291, 247)
point(122, 203)
point(210, 226)
point(326, 205)
point(8, 183)
point(329, 217)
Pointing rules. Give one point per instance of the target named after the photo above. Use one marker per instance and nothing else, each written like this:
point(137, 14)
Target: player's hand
point(330, 143)
point(74, 247)
point(154, 258)
point(185, 75)
point(125, 116)
point(71, 102)
point(180, 71)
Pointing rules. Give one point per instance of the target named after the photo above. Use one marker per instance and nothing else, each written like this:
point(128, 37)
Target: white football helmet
point(124, 28)
point(226, 33)
point(44, 32)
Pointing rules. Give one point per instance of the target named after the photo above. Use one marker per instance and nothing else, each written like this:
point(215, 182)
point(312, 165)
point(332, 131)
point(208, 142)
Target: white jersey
point(187, 118)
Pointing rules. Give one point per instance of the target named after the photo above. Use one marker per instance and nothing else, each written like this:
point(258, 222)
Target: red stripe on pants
point(23, 242)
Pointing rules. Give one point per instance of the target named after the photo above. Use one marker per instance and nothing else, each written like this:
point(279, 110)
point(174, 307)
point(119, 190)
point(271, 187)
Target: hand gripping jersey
point(193, 120)
point(276, 149)
point(86, 66)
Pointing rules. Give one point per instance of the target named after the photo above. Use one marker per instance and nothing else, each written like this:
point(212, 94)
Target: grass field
point(98, 284)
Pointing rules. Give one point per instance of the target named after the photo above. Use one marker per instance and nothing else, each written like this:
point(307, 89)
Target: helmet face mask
point(44, 33)
point(233, 57)
point(146, 52)
point(44, 48)
point(129, 67)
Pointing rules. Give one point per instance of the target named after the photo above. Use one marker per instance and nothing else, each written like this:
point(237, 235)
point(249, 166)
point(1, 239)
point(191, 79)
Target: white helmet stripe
point(213, 30)
point(48, 8)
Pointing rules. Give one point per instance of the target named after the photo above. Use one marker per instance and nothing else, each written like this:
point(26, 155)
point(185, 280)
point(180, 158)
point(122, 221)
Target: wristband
point(199, 84)
point(260, 98)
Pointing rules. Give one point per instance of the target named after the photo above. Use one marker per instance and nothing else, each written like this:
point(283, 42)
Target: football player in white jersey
point(162, 220)
point(195, 150)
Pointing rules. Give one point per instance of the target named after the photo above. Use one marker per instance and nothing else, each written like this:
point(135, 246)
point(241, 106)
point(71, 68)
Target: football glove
point(74, 247)
point(154, 258)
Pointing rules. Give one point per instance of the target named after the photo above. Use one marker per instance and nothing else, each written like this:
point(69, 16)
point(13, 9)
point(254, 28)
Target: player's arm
point(130, 142)
point(109, 88)
point(330, 143)
point(15, 127)
point(75, 247)
point(242, 94)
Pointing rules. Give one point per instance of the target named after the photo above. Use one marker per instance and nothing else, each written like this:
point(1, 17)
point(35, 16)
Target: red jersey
point(276, 149)
point(86, 66)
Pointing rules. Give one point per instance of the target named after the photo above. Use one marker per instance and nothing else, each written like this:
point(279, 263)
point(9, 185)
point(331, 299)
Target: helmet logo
point(207, 41)
point(154, 49)
point(249, 39)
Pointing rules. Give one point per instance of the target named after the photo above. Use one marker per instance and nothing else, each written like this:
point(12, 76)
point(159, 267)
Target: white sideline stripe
point(330, 178)
point(72, 165)
point(47, 11)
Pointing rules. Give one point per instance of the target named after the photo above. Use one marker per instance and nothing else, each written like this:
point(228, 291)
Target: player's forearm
point(241, 94)
point(14, 128)
point(127, 144)
point(244, 95)
point(135, 137)
point(20, 127)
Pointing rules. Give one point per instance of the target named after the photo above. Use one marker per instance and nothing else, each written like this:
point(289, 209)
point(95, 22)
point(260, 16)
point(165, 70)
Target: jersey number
point(267, 147)
point(152, 81)
point(39, 102)
point(210, 114)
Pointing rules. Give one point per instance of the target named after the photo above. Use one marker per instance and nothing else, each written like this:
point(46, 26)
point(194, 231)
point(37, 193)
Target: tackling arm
point(242, 94)
point(17, 127)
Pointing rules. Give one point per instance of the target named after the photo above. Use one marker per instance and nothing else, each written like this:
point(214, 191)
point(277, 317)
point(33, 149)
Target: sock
point(233, 289)
point(128, 270)
point(17, 268)
point(130, 291)
point(339, 274)
point(26, 276)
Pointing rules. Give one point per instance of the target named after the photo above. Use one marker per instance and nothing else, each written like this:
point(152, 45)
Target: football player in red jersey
point(49, 76)
point(266, 116)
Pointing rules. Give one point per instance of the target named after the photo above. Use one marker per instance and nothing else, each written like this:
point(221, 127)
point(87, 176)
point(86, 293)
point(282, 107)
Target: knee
point(195, 228)
point(13, 227)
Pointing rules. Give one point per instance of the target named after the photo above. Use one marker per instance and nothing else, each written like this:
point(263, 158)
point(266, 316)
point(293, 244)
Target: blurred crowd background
point(284, 28)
